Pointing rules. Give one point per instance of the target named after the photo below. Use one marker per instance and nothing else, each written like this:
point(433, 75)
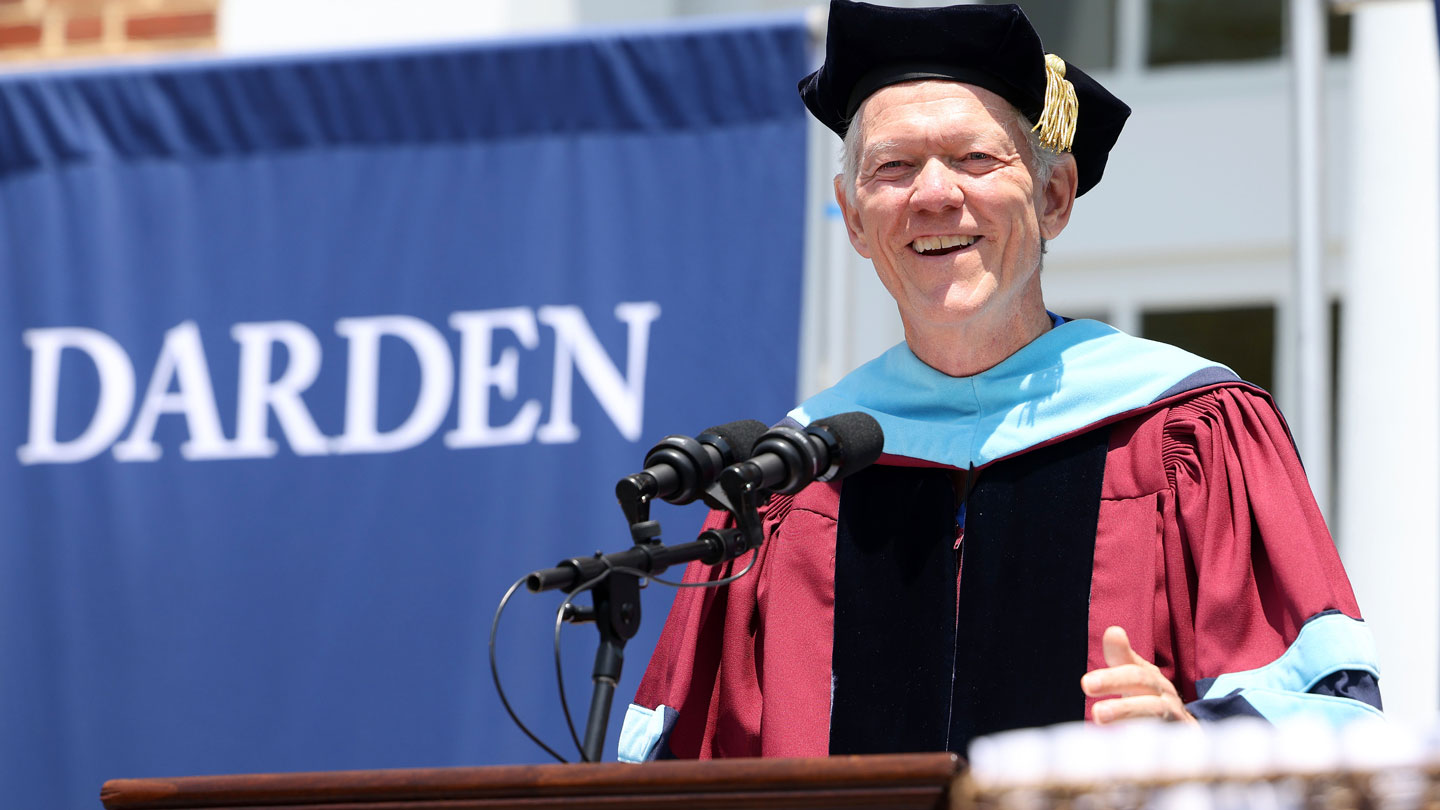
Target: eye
point(891, 169)
point(977, 162)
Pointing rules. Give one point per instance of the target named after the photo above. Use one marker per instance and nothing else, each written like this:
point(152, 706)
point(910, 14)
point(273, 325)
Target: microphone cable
point(560, 617)
point(495, 672)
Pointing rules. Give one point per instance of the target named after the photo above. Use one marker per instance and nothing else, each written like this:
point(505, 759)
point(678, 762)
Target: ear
point(1057, 198)
point(852, 219)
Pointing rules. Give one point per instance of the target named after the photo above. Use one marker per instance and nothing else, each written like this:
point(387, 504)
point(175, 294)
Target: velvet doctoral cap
point(869, 47)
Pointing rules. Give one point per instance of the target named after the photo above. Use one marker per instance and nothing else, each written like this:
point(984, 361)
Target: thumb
point(1117, 649)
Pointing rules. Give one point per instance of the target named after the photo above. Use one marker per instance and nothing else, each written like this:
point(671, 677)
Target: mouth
point(941, 245)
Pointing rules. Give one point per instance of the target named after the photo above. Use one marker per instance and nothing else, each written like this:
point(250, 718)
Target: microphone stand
point(615, 597)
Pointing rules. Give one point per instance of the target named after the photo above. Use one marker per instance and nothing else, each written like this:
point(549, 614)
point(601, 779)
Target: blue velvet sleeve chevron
point(644, 736)
point(1329, 671)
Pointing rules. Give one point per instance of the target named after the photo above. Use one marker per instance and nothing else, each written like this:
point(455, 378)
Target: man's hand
point(1142, 690)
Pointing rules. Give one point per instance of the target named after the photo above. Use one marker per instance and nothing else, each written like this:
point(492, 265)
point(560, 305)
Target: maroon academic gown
point(1209, 550)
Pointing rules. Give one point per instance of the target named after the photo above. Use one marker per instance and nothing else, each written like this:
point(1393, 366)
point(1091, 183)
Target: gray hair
point(1046, 159)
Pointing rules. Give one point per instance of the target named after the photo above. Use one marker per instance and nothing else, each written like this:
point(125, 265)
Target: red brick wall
point(33, 30)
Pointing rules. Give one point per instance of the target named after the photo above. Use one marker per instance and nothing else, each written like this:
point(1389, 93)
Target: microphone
point(678, 469)
point(786, 459)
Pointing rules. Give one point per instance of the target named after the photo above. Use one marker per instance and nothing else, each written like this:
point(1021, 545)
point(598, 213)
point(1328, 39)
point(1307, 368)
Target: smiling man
point(947, 200)
point(1068, 523)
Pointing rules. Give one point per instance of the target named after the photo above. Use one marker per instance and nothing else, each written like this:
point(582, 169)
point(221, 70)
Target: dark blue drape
point(384, 319)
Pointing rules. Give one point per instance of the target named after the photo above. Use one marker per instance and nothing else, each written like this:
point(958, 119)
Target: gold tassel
point(1062, 109)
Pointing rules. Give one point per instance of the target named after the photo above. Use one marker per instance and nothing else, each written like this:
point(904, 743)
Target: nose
point(937, 187)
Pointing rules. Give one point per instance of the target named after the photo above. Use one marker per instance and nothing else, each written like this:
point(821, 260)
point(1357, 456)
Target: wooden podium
point(890, 780)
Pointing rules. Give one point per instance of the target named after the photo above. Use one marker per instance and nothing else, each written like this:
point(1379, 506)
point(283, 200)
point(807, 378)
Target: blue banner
point(308, 359)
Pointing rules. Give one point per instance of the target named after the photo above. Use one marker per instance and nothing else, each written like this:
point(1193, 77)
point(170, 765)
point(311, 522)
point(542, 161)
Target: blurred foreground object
point(1237, 763)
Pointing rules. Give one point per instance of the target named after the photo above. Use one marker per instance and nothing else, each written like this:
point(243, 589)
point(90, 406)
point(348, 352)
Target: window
point(1078, 31)
point(1243, 339)
point(1187, 31)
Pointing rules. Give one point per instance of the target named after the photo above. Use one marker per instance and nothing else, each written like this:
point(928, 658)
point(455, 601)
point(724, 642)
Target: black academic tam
point(995, 47)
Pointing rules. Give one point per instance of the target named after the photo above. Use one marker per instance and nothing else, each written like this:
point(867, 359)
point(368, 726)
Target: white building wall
point(263, 26)
point(1389, 479)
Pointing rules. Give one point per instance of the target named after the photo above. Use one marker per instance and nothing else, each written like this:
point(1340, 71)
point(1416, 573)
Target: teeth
point(929, 243)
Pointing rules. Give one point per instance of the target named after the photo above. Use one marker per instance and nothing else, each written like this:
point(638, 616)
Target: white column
point(1132, 38)
point(1389, 474)
point(1310, 336)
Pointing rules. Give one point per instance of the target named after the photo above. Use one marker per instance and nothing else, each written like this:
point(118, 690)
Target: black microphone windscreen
point(738, 438)
point(859, 437)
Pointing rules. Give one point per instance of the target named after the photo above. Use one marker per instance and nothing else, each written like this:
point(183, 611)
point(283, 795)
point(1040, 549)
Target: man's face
point(946, 206)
